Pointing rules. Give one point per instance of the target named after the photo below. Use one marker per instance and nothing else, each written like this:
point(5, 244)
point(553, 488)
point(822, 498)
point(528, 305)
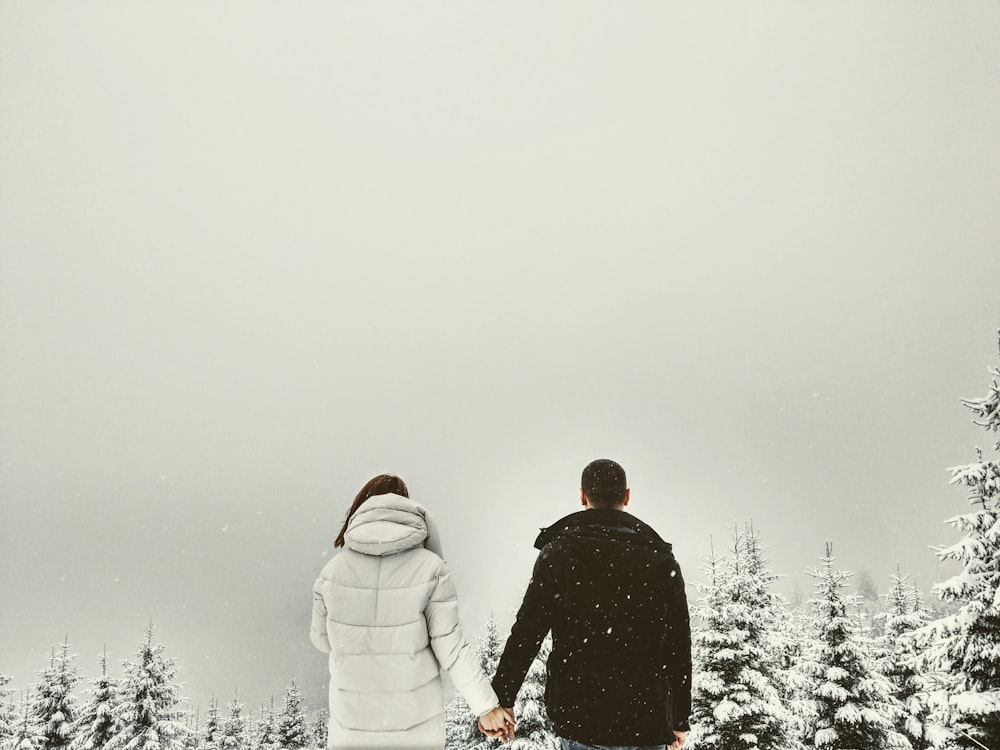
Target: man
point(609, 588)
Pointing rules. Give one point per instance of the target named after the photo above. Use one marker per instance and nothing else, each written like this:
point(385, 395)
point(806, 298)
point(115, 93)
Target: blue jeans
point(565, 744)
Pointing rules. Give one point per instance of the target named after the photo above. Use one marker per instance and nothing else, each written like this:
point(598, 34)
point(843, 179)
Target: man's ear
point(627, 491)
point(583, 498)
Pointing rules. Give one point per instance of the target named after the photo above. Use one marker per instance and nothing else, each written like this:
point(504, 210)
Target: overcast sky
point(252, 254)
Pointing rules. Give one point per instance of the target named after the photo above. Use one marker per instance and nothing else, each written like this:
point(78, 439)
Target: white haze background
point(252, 254)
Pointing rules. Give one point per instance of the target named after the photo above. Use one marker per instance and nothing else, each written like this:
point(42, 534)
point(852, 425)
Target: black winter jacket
point(612, 593)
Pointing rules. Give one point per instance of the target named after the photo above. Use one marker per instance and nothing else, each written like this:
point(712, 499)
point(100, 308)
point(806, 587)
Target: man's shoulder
point(588, 527)
point(553, 550)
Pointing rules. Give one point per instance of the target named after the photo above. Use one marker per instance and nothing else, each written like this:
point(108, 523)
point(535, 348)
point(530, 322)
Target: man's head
point(603, 485)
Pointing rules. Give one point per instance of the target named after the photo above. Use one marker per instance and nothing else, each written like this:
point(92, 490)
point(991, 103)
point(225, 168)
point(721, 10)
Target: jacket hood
point(606, 523)
point(387, 524)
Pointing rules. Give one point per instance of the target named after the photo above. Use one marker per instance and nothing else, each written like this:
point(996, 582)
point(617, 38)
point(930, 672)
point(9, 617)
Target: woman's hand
point(498, 723)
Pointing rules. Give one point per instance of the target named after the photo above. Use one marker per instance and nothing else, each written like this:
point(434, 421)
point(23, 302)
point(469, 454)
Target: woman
point(386, 612)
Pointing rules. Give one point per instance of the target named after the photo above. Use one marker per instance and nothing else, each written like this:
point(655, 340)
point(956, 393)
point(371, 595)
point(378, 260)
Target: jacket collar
point(604, 517)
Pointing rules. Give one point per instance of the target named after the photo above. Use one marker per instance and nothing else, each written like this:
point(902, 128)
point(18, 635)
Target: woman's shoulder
point(342, 563)
point(422, 558)
point(414, 567)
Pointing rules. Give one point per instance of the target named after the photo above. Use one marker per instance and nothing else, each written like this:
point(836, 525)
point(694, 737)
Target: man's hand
point(681, 738)
point(498, 723)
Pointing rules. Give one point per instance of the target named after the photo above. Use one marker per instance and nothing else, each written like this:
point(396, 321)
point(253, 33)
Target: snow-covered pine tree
point(209, 737)
point(320, 728)
point(147, 713)
point(966, 645)
point(192, 727)
point(534, 729)
point(252, 736)
point(233, 736)
point(869, 598)
point(703, 680)
point(7, 714)
point(854, 707)
point(250, 732)
point(461, 730)
point(795, 637)
point(54, 705)
point(291, 731)
point(902, 616)
point(26, 734)
point(784, 636)
point(490, 647)
point(736, 697)
point(266, 738)
point(95, 724)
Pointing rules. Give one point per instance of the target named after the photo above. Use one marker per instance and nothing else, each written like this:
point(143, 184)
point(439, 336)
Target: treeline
point(144, 710)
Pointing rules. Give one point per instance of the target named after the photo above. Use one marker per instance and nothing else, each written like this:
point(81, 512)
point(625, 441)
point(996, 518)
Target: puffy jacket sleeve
point(451, 649)
point(317, 631)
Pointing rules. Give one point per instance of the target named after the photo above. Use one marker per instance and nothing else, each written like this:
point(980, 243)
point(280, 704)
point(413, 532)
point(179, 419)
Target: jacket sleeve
point(317, 631)
point(677, 650)
point(534, 620)
point(451, 649)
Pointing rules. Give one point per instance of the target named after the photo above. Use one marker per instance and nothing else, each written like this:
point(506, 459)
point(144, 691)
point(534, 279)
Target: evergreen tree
point(461, 726)
point(490, 647)
point(534, 729)
point(904, 615)
point(251, 737)
point(54, 705)
point(782, 636)
point(868, 596)
point(292, 733)
point(266, 736)
point(854, 707)
point(233, 735)
point(320, 728)
point(460, 730)
point(250, 730)
point(210, 736)
point(737, 691)
point(8, 715)
point(710, 601)
point(192, 735)
point(95, 724)
point(26, 734)
point(795, 636)
point(147, 713)
point(867, 589)
point(965, 645)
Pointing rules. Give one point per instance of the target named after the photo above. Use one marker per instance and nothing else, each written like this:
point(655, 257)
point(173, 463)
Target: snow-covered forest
point(830, 672)
point(142, 709)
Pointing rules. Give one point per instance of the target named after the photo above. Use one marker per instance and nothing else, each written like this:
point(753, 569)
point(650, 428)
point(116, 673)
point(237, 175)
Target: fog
point(253, 254)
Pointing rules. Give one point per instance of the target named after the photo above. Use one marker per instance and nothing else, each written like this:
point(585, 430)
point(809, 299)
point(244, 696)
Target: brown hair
point(383, 484)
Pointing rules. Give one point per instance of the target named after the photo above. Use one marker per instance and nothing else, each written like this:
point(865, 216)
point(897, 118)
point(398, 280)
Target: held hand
point(498, 723)
point(508, 720)
point(681, 738)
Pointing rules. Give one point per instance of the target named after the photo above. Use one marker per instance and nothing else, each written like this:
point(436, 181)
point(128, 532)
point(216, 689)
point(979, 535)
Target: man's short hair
point(604, 483)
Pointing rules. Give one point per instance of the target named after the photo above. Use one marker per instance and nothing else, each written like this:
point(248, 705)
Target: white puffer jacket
point(386, 611)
